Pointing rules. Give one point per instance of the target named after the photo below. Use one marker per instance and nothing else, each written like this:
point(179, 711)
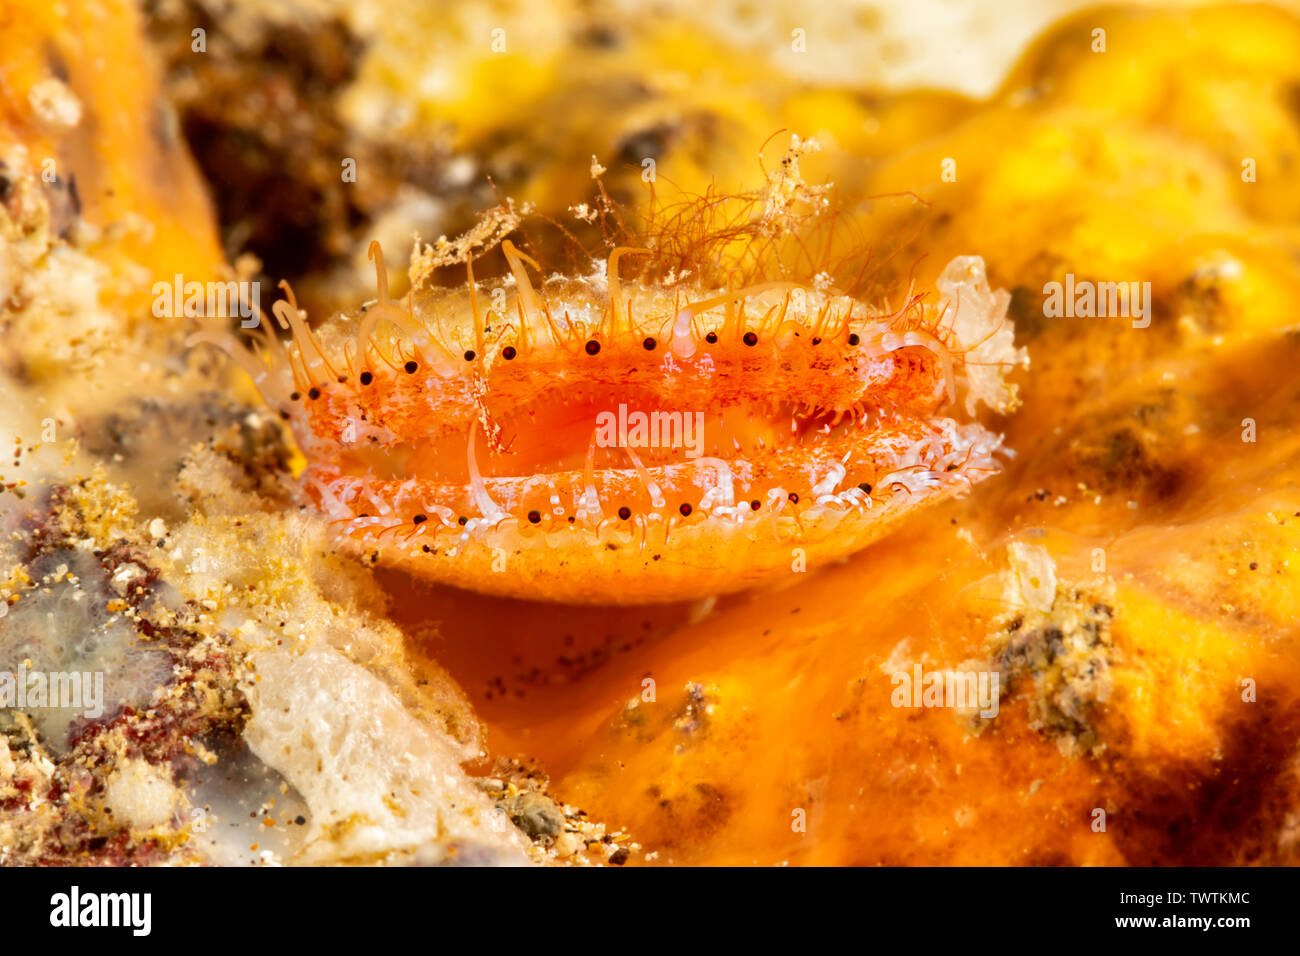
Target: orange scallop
point(599, 441)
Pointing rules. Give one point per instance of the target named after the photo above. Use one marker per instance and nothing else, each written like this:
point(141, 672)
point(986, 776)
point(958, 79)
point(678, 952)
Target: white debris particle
point(1031, 581)
point(55, 104)
point(141, 795)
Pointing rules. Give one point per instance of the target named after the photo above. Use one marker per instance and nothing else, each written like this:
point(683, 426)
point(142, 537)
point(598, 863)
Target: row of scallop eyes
point(508, 353)
point(625, 513)
point(592, 348)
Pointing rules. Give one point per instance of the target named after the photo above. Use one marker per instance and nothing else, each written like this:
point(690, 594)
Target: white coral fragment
point(979, 322)
point(377, 780)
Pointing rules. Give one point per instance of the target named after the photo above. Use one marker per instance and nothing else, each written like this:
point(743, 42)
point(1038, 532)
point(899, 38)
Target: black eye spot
point(293, 397)
point(366, 378)
point(410, 367)
point(816, 341)
point(593, 347)
point(469, 355)
point(853, 338)
point(462, 520)
point(313, 394)
point(508, 352)
point(625, 512)
point(419, 519)
point(865, 487)
point(755, 505)
point(284, 415)
point(649, 345)
point(711, 337)
point(685, 509)
point(794, 497)
point(425, 548)
point(534, 516)
point(343, 379)
point(750, 338)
